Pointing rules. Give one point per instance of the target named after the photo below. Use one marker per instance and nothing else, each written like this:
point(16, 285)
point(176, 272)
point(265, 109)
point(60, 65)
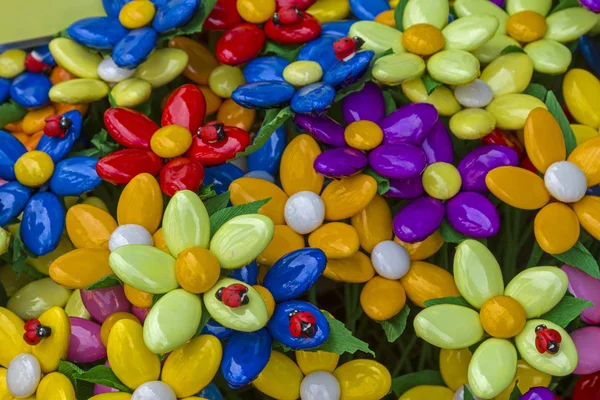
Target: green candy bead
point(432, 12)
point(145, 268)
point(75, 58)
point(131, 92)
point(12, 63)
point(241, 239)
point(36, 297)
point(185, 223)
point(75, 306)
point(493, 48)
point(302, 73)
point(77, 91)
point(538, 289)
point(449, 326)
point(463, 8)
point(549, 57)
point(453, 67)
point(377, 37)
point(569, 24)
point(559, 364)
point(539, 6)
point(395, 69)
point(172, 321)
point(246, 318)
point(469, 33)
point(162, 66)
point(492, 368)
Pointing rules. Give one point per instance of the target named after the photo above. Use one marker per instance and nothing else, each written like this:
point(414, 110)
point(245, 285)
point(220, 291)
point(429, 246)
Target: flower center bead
point(502, 317)
point(34, 168)
point(526, 26)
point(363, 135)
point(302, 73)
point(171, 141)
point(423, 39)
point(441, 180)
point(565, 181)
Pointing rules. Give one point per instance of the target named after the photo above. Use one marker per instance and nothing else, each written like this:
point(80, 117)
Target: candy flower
point(45, 170)
point(566, 179)
point(504, 314)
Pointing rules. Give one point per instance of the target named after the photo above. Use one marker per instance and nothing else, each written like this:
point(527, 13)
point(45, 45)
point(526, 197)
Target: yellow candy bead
point(302, 73)
point(171, 141)
point(588, 213)
point(472, 123)
point(345, 197)
point(382, 298)
point(280, 379)
point(54, 348)
point(312, 361)
point(162, 66)
point(550, 239)
point(581, 91)
point(75, 306)
point(502, 317)
point(509, 73)
point(454, 366)
point(527, 377)
point(141, 203)
point(442, 98)
point(518, 187)
point(284, 241)
point(136, 14)
point(80, 268)
point(34, 120)
point(43, 263)
point(131, 92)
point(441, 180)
point(75, 58)
point(246, 190)
point(159, 241)
point(329, 10)
point(112, 396)
point(426, 281)
point(10, 281)
point(34, 168)
point(213, 102)
point(526, 26)
point(55, 386)
point(256, 11)
point(354, 269)
point(89, 227)
point(11, 336)
point(423, 39)
point(424, 392)
point(373, 224)
point(511, 110)
point(363, 135)
point(137, 297)
point(297, 170)
point(109, 322)
point(363, 380)
point(225, 79)
point(336, 239)
point(386, 18)
point(232, 114)
point(76, 91)
point(267, 297)
point(583, 133)
point(197, 269)
point(421, 250)
point(12, 63)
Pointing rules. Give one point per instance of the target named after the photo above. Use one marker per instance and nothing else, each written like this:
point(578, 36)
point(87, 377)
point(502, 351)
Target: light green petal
point(433, 12)
point(549, 57)
point(469, 33)
point(492, 368)
point(185, 223)
point(453, 67)
point(493, 48)
point(569, 24)
point(482, 7)
point(539, 6)
point(449, 326)
point(377, 37)
point(395, 69)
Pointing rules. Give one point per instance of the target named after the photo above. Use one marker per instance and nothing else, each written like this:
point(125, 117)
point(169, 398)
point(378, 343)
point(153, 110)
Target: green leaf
point(467, 394)
point(451, 235)
point(457, 300)
point(564, 4)
point(390, 104)
point(567, 310)
point(580, 257)
point(558, 113)
point(102, 146)
point(69, 370)
point(144, 108)
point(103, 375)
point(224, 215)
point(536, 255)
point(195, 25)
point(111, 99)
point(217, 203)
point(156, 298)
point(536, 90)
point(274, 118)
point(430, 83)
point(281, 347)
point(399, 14)
point(3, 296)
point(511, 49)
point(203, 320)
point(206, 192)
point(287, 51)
point(19, 259)
point(108, 281)
point(340, 339)
point(383, 184)
point(404, 383)
point(516, 393)
point(11, 112)
point(395, 326)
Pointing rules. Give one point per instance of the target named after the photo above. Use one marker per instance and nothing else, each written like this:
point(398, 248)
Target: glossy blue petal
point(268, 157)
point(590, 48)
point(13, 197)
point(268, 94)
point(158, 3)
point(214, 328)
point(321, 51)
point(74, 176)
point(43, 223)
point(349, 71)
point(174, 14)
point(134, 48)
point(368, 9)
point(113, 7)
point(56, 147)
point(211, 392)
point(293, 274)
point(248, 273)
point(280, 323)
point(265, 69)
point(10, 151)
point(314, 98)
point(97, 32)
point(43, 52)
point(222, 176)
point(4, 89)
point(30, 90)
point(338, 29)
point(245, 355)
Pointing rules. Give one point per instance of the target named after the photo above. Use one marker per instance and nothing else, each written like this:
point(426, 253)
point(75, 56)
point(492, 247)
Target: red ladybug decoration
point(302, 324)
point(209, 147)
point(35, 332)
point(233, 296)
point(287, 16)
point(34, 63)
point(345, 48)
point(57, 125)
point(212, 132)
point(547, 340)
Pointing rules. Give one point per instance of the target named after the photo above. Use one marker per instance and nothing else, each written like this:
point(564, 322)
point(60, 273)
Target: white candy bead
point(476, 94)
point(390, 260)
point(460, 394)
point(264, 175)
point(565, 181)
point(241, 163)
point(110, 72)
point(304, 212)
point(154, 390)
point(129, 234)
point(23, 375)
point(320, 385)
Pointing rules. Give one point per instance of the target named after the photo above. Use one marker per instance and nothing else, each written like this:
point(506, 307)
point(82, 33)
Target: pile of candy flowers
point(303, 199)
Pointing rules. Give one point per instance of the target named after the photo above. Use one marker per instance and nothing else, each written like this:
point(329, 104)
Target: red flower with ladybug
point(178, 151)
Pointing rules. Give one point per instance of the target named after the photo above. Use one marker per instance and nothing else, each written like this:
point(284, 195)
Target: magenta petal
point(102, 303)
point(367, 104)
point(587, 342)
point(141, 313)
point(584, 286)
point(85, 345)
